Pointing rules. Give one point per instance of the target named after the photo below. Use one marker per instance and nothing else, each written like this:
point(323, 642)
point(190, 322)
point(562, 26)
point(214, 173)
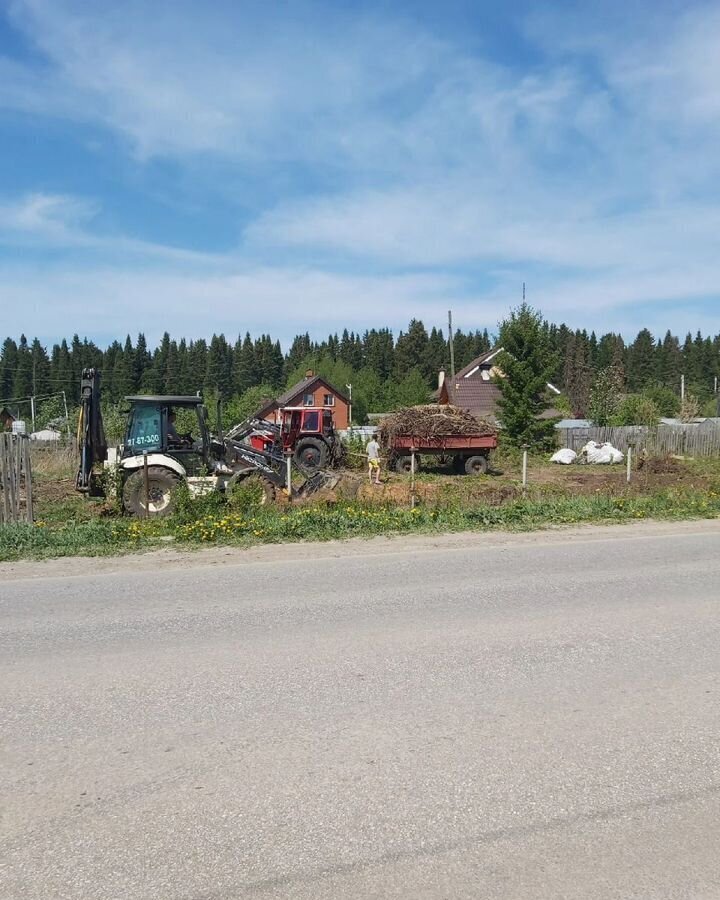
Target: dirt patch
point(660, 465)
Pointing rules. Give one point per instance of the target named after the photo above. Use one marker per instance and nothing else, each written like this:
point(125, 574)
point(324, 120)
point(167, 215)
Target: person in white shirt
point(373, 455)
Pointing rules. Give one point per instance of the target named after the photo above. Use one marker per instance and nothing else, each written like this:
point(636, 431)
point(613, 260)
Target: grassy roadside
point(214, 522)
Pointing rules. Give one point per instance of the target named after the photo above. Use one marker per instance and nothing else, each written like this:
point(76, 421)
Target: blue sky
point(300, 166)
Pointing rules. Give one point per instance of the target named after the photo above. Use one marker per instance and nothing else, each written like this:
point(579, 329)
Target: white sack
point(564, 457)
point(601, 454)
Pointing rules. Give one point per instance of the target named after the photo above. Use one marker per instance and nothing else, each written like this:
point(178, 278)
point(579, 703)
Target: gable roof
point(480, 362)
point(473, 394)
point(301, 387)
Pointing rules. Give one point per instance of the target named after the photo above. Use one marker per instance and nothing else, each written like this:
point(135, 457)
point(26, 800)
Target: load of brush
point(431, 421)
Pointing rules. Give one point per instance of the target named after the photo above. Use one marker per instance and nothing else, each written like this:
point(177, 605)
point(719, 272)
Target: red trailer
point(470, 452)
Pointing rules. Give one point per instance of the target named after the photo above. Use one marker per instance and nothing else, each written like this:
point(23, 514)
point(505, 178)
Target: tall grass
point(219, 523)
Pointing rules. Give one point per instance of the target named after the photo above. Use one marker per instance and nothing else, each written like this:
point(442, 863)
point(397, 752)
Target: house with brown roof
point(313, 390)
point(474, 389)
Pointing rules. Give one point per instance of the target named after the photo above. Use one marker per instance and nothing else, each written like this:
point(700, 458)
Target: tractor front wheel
point(311, 454)
point(161, 484)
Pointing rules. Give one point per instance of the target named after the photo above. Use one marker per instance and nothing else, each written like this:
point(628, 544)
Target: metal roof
point(166, 399)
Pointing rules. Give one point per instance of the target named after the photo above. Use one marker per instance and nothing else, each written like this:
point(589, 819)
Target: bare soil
point(55, 485)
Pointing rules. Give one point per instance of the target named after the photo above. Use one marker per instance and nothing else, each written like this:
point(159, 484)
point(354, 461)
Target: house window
point(308, 399)
point(328, 399)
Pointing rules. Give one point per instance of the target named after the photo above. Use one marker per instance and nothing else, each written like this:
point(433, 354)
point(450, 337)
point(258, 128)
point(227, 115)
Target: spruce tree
point(527, 363)
point(411, 349)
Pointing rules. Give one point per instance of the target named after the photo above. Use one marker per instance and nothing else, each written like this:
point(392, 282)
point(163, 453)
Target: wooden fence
point(662, 440)
point(16, 503)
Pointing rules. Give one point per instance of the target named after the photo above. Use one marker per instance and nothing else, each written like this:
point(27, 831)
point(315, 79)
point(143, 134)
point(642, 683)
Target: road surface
point(460, 717)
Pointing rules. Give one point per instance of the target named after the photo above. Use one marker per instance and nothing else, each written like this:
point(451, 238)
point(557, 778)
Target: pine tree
point(437, 356)
point(299, 350)
point(641, 361)
point(219, 367)
point(527, 362)
point(23, 380)
point(577, 376)
point(246, 375)
point(379, 352)
point(141, 362)
point(62, 373)
point(411, 349)
point(197, 364)
point(8, 367)
point(669, 362)
point(123, 374)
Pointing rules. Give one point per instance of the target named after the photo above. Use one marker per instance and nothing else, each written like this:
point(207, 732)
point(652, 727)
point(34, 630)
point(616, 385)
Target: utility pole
point(523, 291)
point(682, 387)
point(349, 388)
point(452, 344)
point(67, 415)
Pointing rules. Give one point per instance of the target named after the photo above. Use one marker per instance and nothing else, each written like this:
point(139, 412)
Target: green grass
point(212, 522)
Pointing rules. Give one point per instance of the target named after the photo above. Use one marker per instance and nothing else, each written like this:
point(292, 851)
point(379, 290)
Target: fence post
point(524, 467)
point(28, 481)
point(146, 479)
point(629, 463)
point(412, 478)
point(5, 477)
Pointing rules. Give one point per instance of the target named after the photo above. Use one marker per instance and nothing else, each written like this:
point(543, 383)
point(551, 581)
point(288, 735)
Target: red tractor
point(308, 431)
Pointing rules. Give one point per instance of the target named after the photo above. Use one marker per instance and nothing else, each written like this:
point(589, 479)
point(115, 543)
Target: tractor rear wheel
point(476, 465)
point(161, 484)
point(311, 454)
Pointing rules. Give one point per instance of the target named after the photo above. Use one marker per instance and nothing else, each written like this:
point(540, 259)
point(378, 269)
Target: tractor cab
point(172, 425)
point(305, 421)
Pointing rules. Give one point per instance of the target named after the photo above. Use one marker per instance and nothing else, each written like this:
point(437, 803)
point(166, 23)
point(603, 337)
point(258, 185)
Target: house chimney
point(441, 378)
point(309, 373)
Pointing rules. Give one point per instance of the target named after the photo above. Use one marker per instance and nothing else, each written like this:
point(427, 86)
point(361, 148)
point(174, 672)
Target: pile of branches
point(432, 421)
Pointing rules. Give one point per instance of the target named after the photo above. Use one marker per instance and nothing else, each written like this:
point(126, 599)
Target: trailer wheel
point(476, 465)
point(311, 454)
point(403, 464)
point(161, 484)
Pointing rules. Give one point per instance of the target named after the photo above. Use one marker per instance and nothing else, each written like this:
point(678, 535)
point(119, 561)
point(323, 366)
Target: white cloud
point(104, 301)
point(46, 215)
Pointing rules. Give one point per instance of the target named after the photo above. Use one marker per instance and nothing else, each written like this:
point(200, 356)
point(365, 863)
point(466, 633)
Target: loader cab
point(153, 422)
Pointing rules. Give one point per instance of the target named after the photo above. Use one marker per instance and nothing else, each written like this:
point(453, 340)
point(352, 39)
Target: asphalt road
point(448, 718)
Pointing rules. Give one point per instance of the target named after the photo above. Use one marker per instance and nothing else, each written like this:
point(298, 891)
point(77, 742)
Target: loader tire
point(311, 454)
point(246, 492)
point(161, 484)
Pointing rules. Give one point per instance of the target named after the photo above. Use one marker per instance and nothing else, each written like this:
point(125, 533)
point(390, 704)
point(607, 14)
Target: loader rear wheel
point(161, 484)
point(250, 491)
point(311, 454)
point(476, 465)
